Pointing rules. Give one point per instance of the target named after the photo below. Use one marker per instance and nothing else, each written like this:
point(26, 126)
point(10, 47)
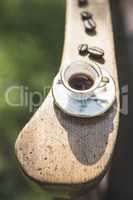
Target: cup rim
point(95, 85)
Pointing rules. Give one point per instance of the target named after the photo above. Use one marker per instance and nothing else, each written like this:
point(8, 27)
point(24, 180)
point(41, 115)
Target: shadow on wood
point(88, 145)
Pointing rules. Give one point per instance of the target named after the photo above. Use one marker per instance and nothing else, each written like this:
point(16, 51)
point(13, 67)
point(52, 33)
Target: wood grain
point(68, 155)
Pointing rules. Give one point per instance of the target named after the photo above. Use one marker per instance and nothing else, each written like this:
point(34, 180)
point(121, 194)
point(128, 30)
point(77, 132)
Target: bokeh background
point(31, 42)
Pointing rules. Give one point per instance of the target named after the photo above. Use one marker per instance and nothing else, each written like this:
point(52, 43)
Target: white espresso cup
point(91, 70)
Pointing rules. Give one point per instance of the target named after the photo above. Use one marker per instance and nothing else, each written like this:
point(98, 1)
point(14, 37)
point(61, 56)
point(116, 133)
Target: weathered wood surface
point(65, 154)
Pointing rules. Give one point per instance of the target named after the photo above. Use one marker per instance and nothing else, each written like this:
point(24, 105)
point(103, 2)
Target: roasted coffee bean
point(82, 2)
point(89, 25)
point(83, 49)
point(86, 15)
point(92, 23)
point(96, 52)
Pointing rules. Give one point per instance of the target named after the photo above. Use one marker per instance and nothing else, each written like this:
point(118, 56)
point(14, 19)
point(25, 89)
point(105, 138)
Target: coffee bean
point(83, 49)
point(89, 25)
point(86, 15)
point(92, 23)
point(82, 2)
point(96, 52)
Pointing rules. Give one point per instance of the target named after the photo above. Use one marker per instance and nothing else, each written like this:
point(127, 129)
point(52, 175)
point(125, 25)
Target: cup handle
point(104, 81)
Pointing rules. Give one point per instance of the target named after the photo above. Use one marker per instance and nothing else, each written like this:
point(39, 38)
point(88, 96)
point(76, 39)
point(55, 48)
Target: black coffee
point(81, 81)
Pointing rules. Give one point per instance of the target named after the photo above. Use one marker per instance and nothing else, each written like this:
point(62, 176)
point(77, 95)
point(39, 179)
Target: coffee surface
point(81, 81)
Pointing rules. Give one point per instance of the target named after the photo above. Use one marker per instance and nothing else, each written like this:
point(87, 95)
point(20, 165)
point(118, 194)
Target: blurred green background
point(31, 41)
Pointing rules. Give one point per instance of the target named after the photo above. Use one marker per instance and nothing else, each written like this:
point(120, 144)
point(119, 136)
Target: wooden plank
point(68, 155)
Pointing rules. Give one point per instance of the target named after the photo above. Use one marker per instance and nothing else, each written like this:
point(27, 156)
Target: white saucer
point(97, 104)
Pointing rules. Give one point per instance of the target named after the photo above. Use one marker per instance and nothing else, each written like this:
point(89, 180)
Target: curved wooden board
point(65, 154)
